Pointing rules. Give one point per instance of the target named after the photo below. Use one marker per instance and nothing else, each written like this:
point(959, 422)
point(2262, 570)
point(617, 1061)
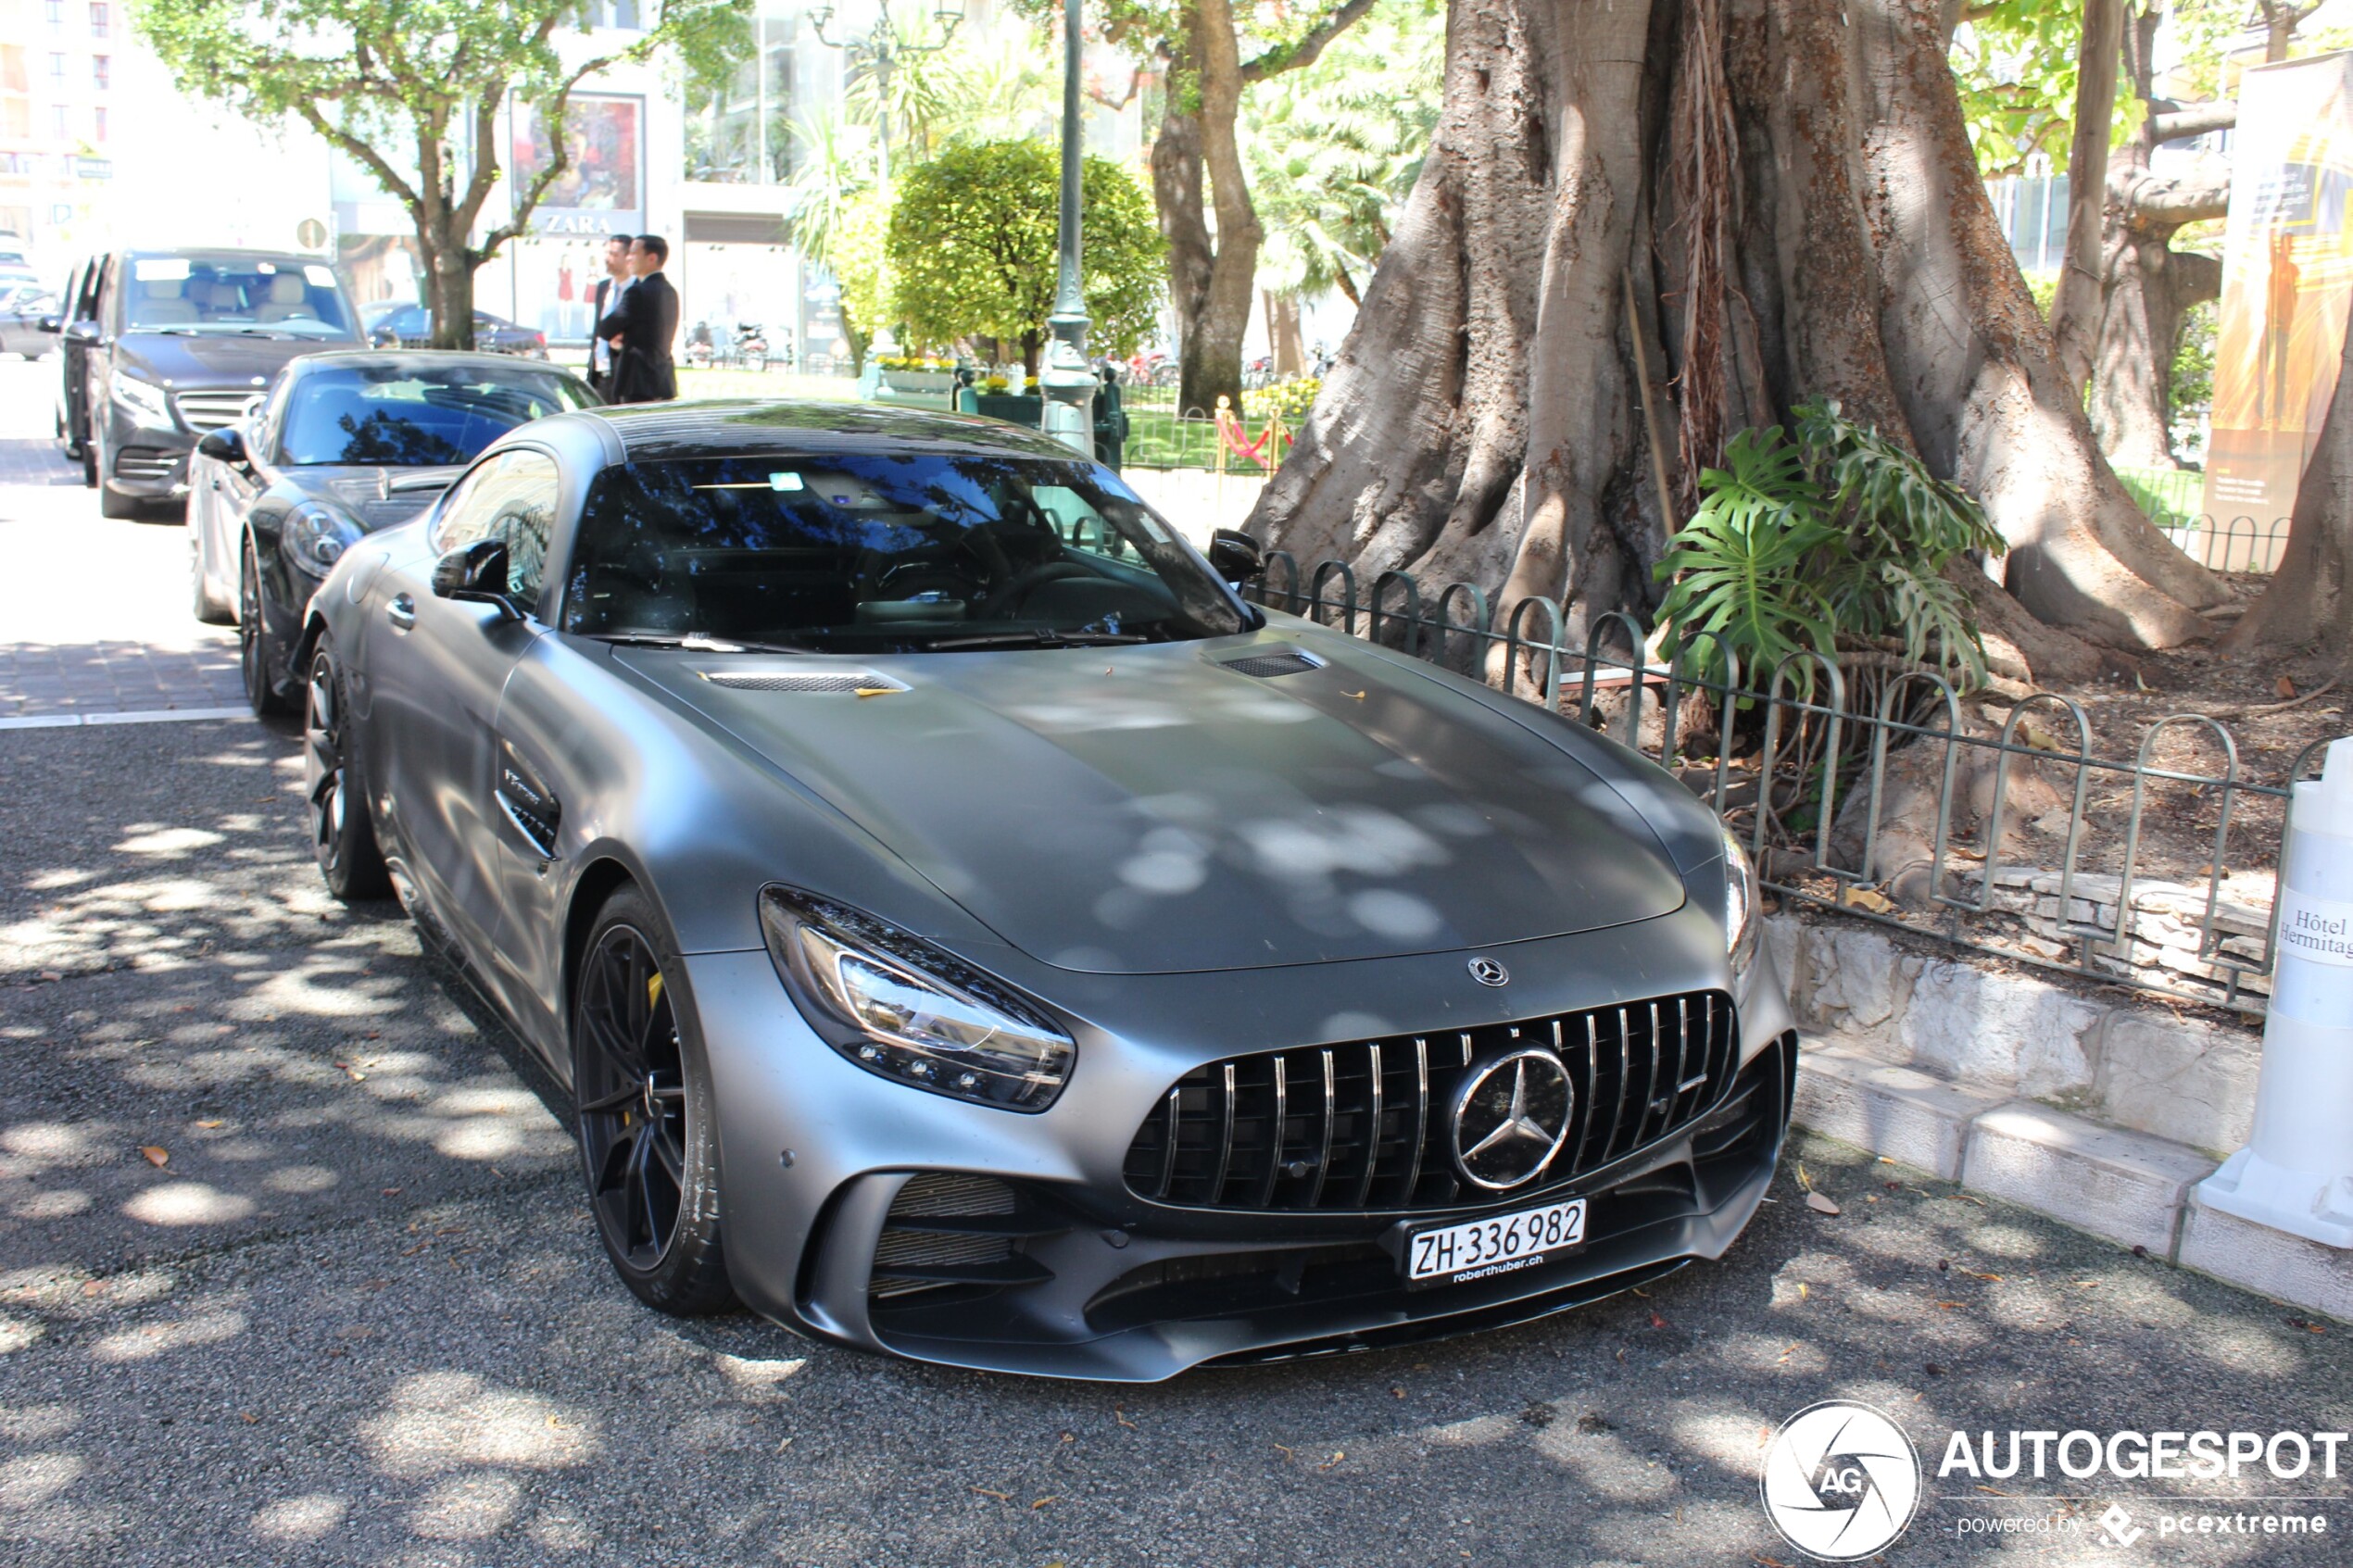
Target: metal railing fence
point(1823, 728)
point(2239, 544)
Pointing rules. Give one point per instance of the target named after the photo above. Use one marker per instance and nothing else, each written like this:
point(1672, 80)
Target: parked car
point(23, 306)
point(394, 325)
point(162, 346)
point(967, 928)
point(347, 444)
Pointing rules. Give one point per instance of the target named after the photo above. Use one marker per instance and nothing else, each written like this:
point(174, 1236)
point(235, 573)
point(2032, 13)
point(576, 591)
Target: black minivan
point(160, 347)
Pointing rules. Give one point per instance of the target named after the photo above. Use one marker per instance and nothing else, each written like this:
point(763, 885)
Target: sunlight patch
point(188, 1203)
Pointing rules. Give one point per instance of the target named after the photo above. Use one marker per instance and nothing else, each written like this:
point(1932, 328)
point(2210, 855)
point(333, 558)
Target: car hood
point(216, 360)
point(1147, 810)
point(375, 497)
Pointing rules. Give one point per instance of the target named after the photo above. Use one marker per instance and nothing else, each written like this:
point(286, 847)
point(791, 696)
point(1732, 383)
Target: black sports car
point(345, 443)
point(970, 929)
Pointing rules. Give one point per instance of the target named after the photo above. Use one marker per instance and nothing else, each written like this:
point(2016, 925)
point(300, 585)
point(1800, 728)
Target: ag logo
point(1841, 1481)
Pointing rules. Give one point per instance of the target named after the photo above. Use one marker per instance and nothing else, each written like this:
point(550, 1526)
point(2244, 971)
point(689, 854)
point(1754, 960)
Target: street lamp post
point(883, 46)
point(1067, 381)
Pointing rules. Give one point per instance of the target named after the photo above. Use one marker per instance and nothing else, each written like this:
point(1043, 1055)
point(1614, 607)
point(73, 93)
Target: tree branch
point(2150, 202)
point(344, 139)
point(2191, 119)
point(1274, 62)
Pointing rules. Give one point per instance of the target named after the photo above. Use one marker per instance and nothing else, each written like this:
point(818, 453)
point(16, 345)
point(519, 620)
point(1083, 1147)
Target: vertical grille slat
point(1239, 1134)
point(1372, 1128)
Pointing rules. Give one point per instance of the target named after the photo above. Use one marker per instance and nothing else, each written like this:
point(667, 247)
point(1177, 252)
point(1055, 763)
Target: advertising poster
point(601, 189)
point(2287, 284)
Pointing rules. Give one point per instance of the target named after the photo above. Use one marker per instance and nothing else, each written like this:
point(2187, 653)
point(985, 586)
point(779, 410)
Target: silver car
point(970, 929)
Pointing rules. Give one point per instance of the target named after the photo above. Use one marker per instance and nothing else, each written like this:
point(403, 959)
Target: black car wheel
point(111, 503)
point(342, 835)
point(253, 656)
point(649, 1135)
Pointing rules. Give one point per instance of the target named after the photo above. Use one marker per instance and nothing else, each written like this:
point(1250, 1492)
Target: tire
point(645, 1114)
point(343, 833)
point(253, 653)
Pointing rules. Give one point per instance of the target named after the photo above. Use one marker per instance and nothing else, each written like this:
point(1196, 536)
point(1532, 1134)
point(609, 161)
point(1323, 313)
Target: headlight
point(1740, 904)
point(318, 535)
point(903, 1009)
point(144, 399)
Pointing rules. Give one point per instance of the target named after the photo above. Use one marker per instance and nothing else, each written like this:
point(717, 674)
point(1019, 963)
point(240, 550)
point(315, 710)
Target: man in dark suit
point(640, 327)
point(600, 301)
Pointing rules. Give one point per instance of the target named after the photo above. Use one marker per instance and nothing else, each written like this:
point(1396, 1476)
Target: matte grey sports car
point(970, 929)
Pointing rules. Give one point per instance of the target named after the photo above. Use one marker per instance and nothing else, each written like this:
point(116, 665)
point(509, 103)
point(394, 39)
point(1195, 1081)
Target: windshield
point(405, 416)
point(257, 297)
point(875, 552)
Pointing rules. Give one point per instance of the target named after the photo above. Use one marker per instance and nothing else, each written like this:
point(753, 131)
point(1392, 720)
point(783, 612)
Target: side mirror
point(1235, 555)
point(81, 332)
point(51, 325)
point(476, 573)
point(224, 446)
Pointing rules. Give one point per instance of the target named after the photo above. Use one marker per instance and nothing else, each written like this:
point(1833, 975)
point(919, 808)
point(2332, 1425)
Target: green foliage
point(972, 247)
point(1334, 149)
point(1839, 532)
point(2192, 372)
point(1291, 399)
point(413, 89)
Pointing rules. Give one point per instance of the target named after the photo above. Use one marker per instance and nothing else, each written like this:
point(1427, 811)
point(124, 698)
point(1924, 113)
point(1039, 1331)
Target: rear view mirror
point(1235, 555)
point(476, 573)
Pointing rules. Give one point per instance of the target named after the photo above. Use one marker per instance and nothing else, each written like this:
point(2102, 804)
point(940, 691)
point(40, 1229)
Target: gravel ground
point(358, 1315)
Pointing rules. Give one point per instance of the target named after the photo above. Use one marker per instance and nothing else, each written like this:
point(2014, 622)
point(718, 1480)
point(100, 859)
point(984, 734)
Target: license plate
point(1483, 1248)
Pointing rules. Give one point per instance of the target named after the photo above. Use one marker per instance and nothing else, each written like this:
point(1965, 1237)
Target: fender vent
point(1265, 666)
point(802, 681)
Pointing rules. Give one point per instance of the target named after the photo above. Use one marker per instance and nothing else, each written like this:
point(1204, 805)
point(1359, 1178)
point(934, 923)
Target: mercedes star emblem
point(1487, 972)
point(1511, 1116)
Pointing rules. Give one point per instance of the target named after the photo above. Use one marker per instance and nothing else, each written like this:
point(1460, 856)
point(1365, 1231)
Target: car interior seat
point(159, 304)
point(288, 301)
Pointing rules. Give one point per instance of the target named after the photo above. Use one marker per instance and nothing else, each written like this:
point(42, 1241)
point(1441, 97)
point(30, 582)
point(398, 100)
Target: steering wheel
point(1006, 598)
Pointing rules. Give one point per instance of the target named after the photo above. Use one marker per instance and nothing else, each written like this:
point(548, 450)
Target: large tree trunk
point(2307, 603)
point(1485, 419)
point(2075, 309)
point(449, 287)
point(2146, 285)
point(1212, 279)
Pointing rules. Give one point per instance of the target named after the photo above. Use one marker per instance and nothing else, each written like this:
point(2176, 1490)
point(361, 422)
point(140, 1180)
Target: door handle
point(401, 612)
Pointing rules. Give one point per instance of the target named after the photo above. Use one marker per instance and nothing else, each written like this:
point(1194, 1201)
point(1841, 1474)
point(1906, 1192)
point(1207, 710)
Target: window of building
point(101, 18)
point(98, 117)
point(58, 70)
point(101, 68)
point(56, 10)
point(61, 122)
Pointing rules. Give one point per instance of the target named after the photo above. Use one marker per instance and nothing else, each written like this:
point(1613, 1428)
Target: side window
point(512, 498)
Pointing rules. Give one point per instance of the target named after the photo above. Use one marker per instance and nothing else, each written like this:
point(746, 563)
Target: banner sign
point(2287, 284)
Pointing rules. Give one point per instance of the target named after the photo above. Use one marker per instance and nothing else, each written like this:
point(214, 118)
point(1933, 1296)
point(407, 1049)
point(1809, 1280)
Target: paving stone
point(2126, 1186)
point(2284, 1267)
point(1908, 1115)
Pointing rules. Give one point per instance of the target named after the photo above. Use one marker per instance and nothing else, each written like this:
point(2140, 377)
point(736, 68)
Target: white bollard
point(2296, 1174)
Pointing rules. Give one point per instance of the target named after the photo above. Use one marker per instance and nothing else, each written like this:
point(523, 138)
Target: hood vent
point(1273, 662)
point(818, 681)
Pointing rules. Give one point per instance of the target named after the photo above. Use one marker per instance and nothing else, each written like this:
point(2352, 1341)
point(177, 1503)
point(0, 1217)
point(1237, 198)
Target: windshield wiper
point(1045, 638)
point(694, 642)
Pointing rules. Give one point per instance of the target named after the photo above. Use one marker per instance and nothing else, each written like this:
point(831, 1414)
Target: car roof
point(724, 427)
point(225, 253)
point(426, 357)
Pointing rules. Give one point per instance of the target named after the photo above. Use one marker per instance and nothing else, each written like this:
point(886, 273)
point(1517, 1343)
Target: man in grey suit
point(640, 327)
point(601, 301)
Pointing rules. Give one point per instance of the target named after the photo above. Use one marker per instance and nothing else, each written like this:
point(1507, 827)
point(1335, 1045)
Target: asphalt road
point(357, 1315)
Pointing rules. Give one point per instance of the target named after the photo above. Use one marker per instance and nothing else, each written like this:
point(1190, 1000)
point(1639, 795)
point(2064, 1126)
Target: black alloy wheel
point(342, 835)
point(647, 1125)
point(253, 656)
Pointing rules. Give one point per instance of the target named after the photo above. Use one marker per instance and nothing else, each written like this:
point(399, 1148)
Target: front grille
point(145, 463)
point(946, 1230)
point(802, 681)
point(209, 410)
point(1366, 1124)
point(1265, 665)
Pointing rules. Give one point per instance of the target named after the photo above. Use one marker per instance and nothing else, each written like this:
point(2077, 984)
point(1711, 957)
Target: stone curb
point(2132, 1188)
